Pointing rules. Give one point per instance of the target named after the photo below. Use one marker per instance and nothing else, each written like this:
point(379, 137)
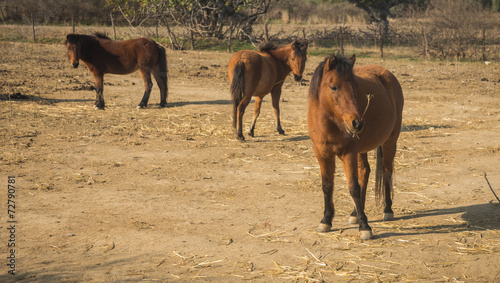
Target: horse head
point(298, 58)
point(338, 93)
point(73, 49)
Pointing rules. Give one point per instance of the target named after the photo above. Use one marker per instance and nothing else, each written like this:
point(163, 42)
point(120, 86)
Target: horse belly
point(380, 121)
point(268, 78)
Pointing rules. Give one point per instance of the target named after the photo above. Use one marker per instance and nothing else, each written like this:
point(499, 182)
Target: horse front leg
point(148, 85)
point(349, 161)
point(99, 86)
point(364, 174)
point(326, 162)
point(276, 96)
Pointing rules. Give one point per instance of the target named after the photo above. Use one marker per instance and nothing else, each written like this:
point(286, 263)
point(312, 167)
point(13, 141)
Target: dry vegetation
point(171, 195)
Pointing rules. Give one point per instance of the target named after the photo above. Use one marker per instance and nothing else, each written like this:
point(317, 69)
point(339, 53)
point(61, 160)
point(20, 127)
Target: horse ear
point(330, 63)
point(353, 59)
point(294, 44)
point(73, 38)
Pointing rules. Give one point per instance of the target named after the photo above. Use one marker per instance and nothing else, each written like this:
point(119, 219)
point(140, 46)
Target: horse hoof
point(323, 228)
point(353, 220)
point(388, 216)
point(365, 234)
point(241, 138)
point(163, 105)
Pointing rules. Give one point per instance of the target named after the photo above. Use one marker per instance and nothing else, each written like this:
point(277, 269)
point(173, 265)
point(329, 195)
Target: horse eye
point(334, 88)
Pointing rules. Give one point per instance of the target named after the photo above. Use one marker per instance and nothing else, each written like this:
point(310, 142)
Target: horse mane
point(268, 47)
point(341, 64)
point(101, 35)
point(300, 47)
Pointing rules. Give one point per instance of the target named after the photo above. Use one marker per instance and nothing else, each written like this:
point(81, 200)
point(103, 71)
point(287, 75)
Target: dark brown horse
point(102, 55)
point(352, 111)
point(256, 74)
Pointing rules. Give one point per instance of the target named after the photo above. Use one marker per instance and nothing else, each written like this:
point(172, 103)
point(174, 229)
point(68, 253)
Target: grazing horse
point(351, 111)
point(102, 55)
point(256, 74)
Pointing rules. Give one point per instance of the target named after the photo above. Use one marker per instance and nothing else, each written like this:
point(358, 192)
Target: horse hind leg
point(363, 176)
point(161, 80)
point(148, 85)
point(239, 117)
point(256, 113)
point(385, 157)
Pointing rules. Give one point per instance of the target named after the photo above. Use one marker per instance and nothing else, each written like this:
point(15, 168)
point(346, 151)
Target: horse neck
point(281, 54)
point(88, 46)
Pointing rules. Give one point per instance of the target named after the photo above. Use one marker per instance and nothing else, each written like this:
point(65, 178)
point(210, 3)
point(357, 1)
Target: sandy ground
point(170, 194)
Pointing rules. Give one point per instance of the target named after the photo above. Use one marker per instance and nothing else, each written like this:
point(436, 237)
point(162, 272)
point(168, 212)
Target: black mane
point(267, 47)
point(340, 63)
point(101, 35)
point(300, 48)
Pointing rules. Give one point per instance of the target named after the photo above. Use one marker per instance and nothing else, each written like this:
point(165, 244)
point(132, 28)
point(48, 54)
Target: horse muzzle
point(356, 126)
point(75, 64)
point(297, 78)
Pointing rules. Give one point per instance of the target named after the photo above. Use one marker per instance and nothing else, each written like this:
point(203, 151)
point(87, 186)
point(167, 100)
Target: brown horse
point(352, 111)
point(256, 74)
point(102, 55)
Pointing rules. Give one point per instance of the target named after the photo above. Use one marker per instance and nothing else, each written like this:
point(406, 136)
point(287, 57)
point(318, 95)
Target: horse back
point(124, 57)
point(383, 116)
point(260, 71)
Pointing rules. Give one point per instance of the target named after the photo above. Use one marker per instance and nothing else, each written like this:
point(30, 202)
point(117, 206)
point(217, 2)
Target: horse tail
point(379, 177)
point(237, 88)
point(163, 67)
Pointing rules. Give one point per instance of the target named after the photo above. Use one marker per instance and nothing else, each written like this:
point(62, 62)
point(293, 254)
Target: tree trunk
point(113, 24)
point(266, 32)
point(191, 38)
point(33, 26)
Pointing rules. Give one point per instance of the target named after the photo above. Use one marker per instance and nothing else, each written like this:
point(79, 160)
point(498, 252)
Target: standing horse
point(256, 74)
point(102, 55)
point(337, 126)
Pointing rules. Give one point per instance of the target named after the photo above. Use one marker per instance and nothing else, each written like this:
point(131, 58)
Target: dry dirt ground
point(170, 195)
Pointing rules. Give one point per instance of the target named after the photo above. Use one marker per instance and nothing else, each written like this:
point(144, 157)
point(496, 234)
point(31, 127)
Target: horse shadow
point(205, 102)
point(28, 97)
point(479, 217)
point(415, 128)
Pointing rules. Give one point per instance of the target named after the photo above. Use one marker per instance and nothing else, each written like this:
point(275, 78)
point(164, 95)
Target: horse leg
point(99, 85)
point(161, 80)
point(256, 113)
point(148, 85)
point(363, 175)
point(349, 160)
point(326, 162)
point(241, 110)
point(276, 96)
point(389, 152)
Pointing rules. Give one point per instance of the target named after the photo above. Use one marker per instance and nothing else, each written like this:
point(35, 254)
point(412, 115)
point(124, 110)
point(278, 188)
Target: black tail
point(237, 88)
point(380, 183)
point(163, 69)
point(379, 176)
